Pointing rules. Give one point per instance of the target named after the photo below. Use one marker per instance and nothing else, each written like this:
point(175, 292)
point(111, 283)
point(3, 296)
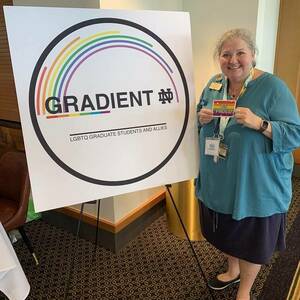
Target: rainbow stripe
point(224, 104)
point(55, 81)
point(78, 114)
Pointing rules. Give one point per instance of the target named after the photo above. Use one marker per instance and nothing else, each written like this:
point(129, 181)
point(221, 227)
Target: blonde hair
point(240, 33)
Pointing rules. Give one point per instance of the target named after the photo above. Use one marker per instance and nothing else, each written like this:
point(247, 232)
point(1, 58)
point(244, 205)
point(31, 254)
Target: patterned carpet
point(155, 265)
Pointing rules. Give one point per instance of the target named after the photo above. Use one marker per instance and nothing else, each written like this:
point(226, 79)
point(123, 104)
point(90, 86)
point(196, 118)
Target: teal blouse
point(255, 178)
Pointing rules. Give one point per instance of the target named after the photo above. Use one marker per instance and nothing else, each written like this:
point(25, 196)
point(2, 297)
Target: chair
point(14, 194)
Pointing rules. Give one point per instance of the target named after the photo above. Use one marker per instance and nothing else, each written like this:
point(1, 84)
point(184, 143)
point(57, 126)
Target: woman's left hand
point(246, 117)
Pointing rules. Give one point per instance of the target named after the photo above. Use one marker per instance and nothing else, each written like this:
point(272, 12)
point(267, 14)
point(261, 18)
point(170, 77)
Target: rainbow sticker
point(223, 108)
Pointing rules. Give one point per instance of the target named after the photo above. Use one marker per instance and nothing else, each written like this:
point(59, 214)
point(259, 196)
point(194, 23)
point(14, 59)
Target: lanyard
point(222, 123)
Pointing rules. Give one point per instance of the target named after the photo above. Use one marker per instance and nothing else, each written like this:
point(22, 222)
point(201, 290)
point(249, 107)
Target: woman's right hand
point(205, 115)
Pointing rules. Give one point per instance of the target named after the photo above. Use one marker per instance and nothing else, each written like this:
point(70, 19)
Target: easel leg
point(28, 243)
point(74, 254)
point(97, 227)
point(188, 238)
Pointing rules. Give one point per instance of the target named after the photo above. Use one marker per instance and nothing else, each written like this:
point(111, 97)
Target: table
point(13, 282)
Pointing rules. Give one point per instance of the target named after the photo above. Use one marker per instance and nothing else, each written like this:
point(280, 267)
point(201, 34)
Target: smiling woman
point(243, 186)
point(236, 60)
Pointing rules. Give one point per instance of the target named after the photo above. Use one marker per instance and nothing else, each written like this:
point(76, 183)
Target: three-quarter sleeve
point(285, 121)
point(202, 102)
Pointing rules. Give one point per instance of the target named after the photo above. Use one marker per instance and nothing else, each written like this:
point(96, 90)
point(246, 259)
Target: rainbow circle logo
point(103, 83)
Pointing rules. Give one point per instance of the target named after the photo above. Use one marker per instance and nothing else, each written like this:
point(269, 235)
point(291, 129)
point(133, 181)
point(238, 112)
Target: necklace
point(234, 92)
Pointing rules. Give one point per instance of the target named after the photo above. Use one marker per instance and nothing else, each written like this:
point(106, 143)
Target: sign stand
point(76, 242)
point(97, 226)
point(188, 238)
point(96, 242)
point(74, 253)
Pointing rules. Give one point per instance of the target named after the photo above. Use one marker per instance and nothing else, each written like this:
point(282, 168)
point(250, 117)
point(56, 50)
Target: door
point(287, 60)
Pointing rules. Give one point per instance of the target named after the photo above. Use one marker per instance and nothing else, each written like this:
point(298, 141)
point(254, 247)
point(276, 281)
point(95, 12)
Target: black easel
point(71, 269)
point(97, 226)
point(188, 238)
point(96, 243)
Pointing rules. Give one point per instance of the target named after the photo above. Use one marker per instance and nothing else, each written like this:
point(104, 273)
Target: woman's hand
point(205, 115)
point(246, 117)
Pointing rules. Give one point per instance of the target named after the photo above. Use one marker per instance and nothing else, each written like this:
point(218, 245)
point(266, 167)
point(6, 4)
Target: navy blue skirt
point(253, 239)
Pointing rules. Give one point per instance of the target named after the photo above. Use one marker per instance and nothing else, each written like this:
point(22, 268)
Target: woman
point(244, 184)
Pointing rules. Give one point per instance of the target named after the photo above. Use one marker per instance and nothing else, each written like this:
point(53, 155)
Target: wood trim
point(86, 218)
point(121, 224)
point(298, 87)
point(140, 210)
point(287, 51)
point(10, 124)
point(297, 95)
point(280, 17)
point(294, 292)
point(8, 98)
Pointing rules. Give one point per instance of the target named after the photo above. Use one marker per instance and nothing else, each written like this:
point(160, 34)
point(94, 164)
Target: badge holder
point(212, 146)
point(223, 150)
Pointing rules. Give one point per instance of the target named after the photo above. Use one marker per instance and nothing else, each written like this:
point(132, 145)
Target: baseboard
point(111, 236)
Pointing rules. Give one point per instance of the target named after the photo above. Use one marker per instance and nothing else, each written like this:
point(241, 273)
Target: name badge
point(212, 146)
point(223, 150)
point(216, 86)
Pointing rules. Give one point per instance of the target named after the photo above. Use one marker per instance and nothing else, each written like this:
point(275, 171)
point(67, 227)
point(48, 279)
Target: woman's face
point(236, 60)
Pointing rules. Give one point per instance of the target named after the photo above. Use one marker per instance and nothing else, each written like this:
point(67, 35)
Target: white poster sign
point(106, 100)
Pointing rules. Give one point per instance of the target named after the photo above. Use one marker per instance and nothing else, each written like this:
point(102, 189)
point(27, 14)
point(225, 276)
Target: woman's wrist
point(265, 128)
point(258, 124)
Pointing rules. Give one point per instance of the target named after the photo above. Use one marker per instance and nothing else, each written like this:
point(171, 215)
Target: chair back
point(14, 189)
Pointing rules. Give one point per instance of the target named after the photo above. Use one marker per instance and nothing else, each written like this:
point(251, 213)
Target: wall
point(266, 32)
point(209, 19)
point(287, 65)
point(59, 3)
point(288, 48)
point(168, 5)
point(114, 209)
point(125, 204)
point(8, 98)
